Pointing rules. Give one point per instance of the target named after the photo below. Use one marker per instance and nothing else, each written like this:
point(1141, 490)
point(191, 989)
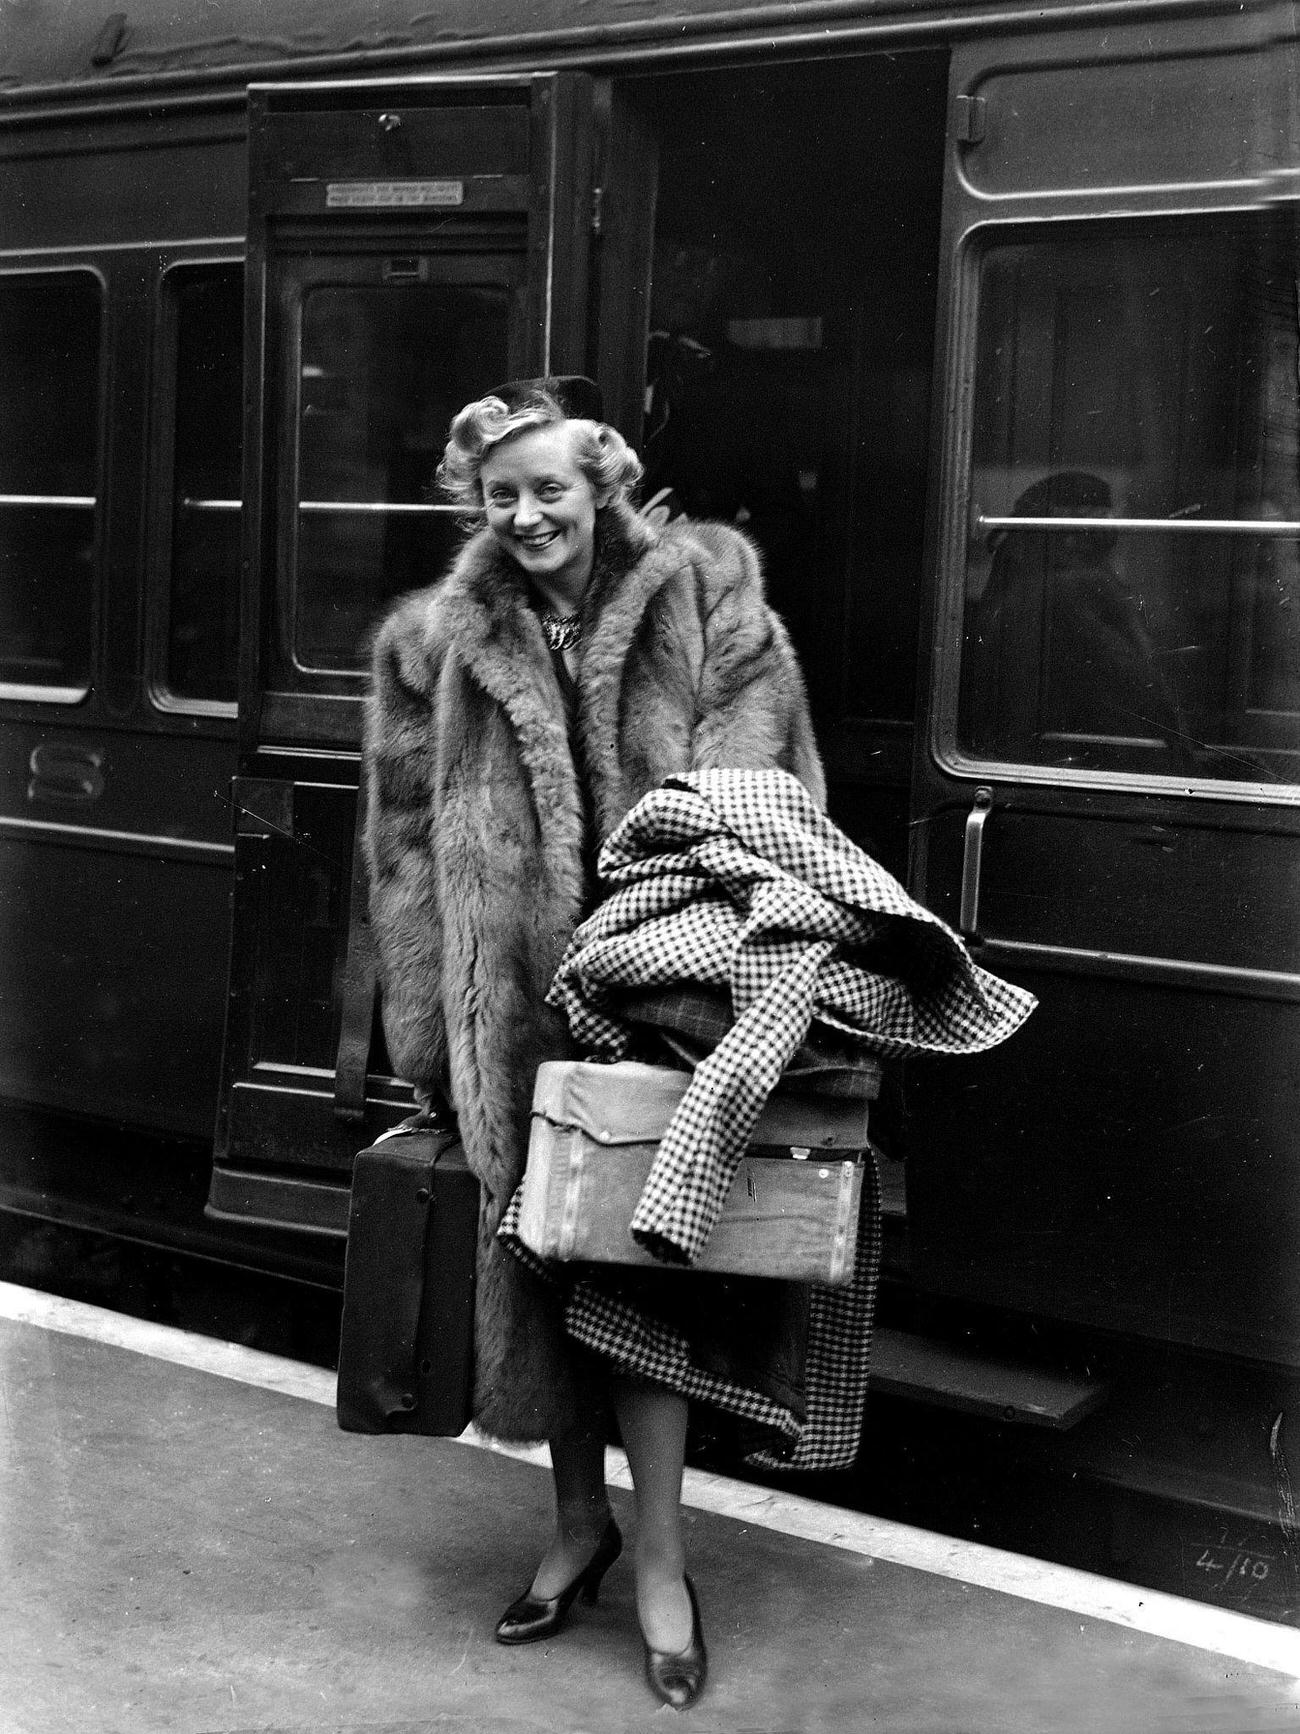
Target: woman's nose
point(526, 509)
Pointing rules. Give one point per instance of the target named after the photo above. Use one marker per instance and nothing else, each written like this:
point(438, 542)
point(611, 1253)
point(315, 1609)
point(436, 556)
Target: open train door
point(410, 245)
point(1107, 782)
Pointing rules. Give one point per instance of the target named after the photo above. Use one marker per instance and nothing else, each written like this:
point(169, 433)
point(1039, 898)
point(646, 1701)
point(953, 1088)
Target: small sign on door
point(386, 195)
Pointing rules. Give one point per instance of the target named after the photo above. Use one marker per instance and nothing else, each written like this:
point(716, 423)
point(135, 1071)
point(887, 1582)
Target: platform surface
point(188, 1549)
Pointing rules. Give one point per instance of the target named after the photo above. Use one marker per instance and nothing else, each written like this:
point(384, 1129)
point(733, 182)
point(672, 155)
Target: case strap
point(357, 1008)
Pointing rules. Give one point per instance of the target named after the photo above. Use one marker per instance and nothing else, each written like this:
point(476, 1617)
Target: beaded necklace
point(563, 631)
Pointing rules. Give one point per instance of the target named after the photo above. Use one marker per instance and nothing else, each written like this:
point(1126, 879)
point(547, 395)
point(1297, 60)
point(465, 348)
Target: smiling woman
point(574, 656)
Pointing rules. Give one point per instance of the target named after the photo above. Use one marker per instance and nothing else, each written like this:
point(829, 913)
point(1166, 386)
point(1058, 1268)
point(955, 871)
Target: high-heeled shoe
point(678, 1676)
point(531, 1617)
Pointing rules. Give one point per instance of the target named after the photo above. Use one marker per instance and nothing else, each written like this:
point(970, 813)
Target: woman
point(572, 658)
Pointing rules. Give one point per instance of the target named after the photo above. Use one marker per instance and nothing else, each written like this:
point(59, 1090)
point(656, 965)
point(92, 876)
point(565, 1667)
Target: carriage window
point(383, 370)
point(1133, 582)
point(50, 328)
point(202, 644)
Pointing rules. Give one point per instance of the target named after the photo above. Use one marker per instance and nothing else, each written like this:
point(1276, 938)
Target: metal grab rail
point(419, 508)
point(972, 862)
point(48, 500)
point(1280, 527)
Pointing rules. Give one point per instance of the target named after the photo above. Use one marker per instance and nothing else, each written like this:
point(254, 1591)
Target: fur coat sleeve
point(400, 821)
point(751, 704)
point(688, 669)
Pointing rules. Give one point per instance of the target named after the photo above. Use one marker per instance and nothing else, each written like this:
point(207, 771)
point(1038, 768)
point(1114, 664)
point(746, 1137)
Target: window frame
point(161, 503)
point(71, 697)
point(964, 522)
point(299, 274)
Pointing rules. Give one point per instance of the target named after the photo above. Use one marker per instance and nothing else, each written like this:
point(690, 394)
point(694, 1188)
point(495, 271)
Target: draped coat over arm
point(475, 839)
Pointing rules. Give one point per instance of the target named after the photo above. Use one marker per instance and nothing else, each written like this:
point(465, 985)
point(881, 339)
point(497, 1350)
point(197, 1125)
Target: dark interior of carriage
point(792, 333)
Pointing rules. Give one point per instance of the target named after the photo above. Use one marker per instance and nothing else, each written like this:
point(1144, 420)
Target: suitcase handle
point(427, 1120)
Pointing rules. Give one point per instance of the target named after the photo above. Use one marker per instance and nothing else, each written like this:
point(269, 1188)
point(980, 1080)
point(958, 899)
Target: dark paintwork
point(116, 879)
point(49, 44)
point(1131, 1160)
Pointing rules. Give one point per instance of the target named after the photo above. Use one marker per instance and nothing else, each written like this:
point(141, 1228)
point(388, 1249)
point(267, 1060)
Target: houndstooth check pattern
point(689, 1021)
point(735, 879)
point(837, 1363)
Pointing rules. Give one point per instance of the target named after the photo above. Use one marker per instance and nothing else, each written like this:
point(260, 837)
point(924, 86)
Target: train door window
point(1133, 584)
point(50, 343)
point(383, 366)
point(203, 311)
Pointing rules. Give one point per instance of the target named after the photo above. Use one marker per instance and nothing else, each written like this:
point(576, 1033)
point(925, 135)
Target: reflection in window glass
point(203, 613)
point(383, 372)
point(1137, 374)
point(49, 464)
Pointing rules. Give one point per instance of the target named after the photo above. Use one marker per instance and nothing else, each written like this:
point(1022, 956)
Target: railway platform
point(188, 1544)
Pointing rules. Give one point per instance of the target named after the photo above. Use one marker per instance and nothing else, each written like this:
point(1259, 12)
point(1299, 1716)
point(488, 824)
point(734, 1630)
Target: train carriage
point(983, 321)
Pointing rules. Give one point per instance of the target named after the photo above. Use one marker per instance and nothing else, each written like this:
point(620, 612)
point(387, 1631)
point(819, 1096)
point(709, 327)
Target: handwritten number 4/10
point(1242, 1566)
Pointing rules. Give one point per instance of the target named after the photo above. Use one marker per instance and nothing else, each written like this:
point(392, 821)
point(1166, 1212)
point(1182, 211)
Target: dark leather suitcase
point(406, 1348)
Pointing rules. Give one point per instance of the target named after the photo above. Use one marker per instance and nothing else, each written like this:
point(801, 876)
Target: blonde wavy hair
point(602, 454)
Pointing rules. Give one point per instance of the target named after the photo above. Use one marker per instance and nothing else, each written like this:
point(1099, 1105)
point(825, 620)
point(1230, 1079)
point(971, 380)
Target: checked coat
point(736, 880)
point(475, 841)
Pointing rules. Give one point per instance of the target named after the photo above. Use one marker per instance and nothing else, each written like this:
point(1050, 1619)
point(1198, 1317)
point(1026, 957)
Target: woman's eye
point(550, 491)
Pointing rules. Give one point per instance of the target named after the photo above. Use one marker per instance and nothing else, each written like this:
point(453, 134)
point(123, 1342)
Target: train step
point(924, 1370)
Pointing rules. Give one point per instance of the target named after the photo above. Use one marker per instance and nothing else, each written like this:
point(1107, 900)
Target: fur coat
point(475, 842)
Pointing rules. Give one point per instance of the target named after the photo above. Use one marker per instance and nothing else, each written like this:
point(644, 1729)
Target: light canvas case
point(596, 1129)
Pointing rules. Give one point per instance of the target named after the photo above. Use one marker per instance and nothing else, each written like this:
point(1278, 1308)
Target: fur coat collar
point(485, 609)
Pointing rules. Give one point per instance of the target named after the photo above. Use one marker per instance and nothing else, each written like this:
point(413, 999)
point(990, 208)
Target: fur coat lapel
point(498, 638)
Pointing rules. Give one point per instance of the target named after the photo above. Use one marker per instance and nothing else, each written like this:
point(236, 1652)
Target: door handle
point(972, 861)
point(66, 772)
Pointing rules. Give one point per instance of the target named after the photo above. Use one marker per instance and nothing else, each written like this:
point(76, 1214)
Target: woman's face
point(541, 508)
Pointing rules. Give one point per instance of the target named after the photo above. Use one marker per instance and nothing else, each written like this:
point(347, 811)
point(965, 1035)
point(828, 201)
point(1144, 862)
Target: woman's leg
point(581, 1510)
point(653, 1424)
